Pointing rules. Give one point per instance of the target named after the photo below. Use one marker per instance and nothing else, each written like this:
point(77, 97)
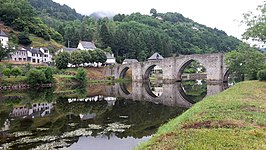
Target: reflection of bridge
point(173, 94)
point(173, 67)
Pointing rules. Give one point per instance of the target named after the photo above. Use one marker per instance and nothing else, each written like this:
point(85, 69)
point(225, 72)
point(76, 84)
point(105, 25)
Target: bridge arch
point(123, 70)
point(186, 63)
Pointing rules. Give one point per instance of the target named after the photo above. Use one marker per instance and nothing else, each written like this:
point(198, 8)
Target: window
point(34, 60)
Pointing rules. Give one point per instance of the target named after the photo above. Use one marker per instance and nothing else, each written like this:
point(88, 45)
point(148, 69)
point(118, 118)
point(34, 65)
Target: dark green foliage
point(245, 62)
point(24, 39)
point(86, 56)
point(16, 71)
point(101, 57)
point(62, 60)
point(48, 72)
point(4, 52)
point(76, 58)
point(262, 75)
point(35, 77)
point(7, 72)
point(81, 76)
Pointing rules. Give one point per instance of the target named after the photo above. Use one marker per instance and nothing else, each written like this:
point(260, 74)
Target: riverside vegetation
point(233, 119)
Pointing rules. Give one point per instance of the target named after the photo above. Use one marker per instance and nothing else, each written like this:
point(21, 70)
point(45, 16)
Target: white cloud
point(222, 14)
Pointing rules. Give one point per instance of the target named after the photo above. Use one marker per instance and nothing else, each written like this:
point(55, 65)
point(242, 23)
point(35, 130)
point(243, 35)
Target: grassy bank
point(233, 119)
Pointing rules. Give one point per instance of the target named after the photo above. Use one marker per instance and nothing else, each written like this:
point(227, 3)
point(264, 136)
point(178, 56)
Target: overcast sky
point(222, 14)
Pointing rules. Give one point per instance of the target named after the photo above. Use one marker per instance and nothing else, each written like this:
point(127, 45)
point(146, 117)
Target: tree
point(256, 24)
point(76, 58)
point(101, 56)
point(245, 62)
point(5, 51)
point(62, 60)
point(35, 77)
point(23, 38)
point(48, 72)
point(81, 76)
point(7, 72)
point(86, 56)
point(16, 71)
point(153, 12)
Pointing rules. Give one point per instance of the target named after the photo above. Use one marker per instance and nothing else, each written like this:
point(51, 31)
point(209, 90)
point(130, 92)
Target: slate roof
point(130, 61)
point(35, 51)
point(263, 50)
point(2, 33)
point(70, 50)
point(88, 45)
point(109, 55)
point(155, 56)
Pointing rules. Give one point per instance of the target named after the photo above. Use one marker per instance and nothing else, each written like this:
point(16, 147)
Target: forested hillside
point(129, 36)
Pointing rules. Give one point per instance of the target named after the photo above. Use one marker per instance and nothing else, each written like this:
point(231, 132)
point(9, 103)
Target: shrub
point(7, 72)
point(48, 75)
point(16, 71)
point(35, 77)
point(262, 75)
point(81, 76)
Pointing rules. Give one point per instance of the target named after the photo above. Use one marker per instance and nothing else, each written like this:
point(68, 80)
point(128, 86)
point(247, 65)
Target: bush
point(262, 75)
point(81, 76)
point(35, 77)
point(7, 72)
point(16, 71)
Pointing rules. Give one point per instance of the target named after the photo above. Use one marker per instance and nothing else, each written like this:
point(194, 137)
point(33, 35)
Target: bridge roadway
point(173, 68)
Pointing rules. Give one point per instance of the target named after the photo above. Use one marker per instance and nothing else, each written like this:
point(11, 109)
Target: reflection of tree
point(194, 91)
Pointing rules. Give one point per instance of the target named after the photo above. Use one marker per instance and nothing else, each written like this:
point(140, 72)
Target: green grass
point(5, 81)
point(233, 119)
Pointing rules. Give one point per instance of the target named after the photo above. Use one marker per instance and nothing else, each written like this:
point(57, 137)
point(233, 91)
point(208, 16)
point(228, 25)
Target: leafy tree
point(62, 60)
point(5, 51)
point(262, 75)
point(101, 57)
point(7, 72)
point(35, 77)
point(16, 71)
point(245, 62)
point(86, 56)
point(153, 12)
point(76, 58)
point(48, 72)
point(23, 38)
point(256, 24)
point(81, 76)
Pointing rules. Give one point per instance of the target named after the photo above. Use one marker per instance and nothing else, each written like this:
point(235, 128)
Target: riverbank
point(233, 119)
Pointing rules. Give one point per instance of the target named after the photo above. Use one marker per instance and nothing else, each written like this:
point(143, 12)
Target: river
point(97, 117)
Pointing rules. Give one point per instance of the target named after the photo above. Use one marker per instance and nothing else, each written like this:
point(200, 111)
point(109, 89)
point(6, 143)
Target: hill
point(129, 36)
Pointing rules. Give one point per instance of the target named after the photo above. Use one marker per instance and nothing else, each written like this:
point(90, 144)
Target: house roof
point(69, 50)
point(109, 55)
point(263, 49)
point(155, 56)
point(35, 51)
point(2, 33)
point(87, 45)
point(130, 60)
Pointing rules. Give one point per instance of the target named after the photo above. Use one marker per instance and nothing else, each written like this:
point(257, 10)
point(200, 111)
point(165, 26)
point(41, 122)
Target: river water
point(98, 117)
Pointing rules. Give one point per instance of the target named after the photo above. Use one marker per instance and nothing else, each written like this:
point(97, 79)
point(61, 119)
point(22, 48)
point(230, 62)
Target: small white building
point(3, 39)
point(110, 58)
point(84, 45)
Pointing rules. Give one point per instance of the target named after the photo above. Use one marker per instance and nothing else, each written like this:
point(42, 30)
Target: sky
point(221, 14)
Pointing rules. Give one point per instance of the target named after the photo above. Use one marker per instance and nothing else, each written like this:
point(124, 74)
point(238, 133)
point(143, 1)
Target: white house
point(84, 45)
point(34, 55)
point(3, 39)
point(110, 58)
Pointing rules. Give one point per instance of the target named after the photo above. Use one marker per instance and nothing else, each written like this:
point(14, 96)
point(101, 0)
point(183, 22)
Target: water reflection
point(123, 113)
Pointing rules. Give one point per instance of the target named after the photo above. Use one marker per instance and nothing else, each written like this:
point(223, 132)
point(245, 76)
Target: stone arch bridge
point(173, 68)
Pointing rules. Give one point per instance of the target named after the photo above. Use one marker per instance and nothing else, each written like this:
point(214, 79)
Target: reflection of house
point(84, 45)
point(129, 61)
point(158, 91)
point(37, 110)
point(3, 39)
point(34, 55)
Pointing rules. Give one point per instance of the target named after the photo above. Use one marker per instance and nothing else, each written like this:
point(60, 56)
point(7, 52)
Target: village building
point(84, 45)
point(3, 39)
point(33, 55)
